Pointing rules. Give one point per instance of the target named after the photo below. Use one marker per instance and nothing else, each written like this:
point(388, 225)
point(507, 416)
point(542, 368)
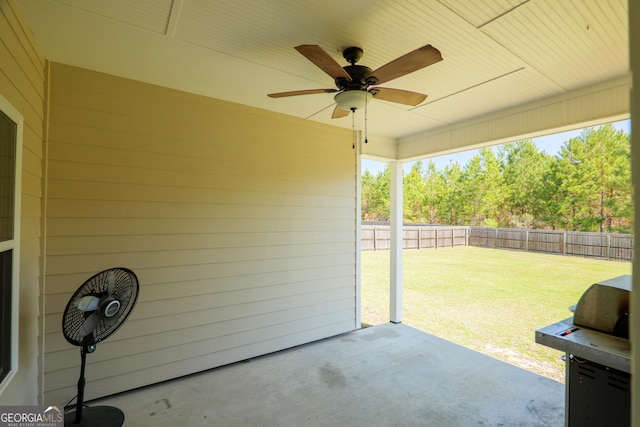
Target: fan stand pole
point(95, 416)
point(81, 382)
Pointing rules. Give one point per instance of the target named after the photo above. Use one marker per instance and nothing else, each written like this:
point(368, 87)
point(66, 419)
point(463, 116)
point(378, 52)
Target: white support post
point(358, 236)
point(396, 242)
point(634, 47)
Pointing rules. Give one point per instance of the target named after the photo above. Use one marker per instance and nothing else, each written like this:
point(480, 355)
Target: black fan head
point(100, 306)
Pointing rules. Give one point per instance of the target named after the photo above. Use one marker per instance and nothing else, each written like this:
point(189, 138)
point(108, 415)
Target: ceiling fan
point(356, 83)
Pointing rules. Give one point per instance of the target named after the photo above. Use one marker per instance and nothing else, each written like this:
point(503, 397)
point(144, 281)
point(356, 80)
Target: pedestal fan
point(95, 311)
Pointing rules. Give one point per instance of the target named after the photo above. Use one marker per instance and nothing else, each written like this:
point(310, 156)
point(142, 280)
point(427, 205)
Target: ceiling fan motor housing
point(360, 79)
point(358, 73)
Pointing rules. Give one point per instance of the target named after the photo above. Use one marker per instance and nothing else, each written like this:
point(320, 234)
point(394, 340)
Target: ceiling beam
point(590, 106)
point(174, 16)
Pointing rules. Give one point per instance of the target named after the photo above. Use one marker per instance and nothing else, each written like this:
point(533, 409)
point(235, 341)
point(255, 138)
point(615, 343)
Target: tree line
point(586, 186)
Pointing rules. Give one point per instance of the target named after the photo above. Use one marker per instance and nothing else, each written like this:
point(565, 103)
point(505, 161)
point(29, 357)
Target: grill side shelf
point(588, 344)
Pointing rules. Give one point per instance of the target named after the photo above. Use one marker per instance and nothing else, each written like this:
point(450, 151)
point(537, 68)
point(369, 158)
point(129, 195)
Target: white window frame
point(14, 244)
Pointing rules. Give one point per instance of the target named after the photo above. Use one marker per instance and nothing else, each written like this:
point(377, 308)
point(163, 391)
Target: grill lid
point(604, 307)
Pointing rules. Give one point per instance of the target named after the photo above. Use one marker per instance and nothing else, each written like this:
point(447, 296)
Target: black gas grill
point(598, 355)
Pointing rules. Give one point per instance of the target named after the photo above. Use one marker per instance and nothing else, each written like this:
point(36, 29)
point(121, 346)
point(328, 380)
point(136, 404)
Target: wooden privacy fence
point(378, 237)
point(594, 245)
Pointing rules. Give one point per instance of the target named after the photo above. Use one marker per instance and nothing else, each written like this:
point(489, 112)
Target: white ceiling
point(497, 54)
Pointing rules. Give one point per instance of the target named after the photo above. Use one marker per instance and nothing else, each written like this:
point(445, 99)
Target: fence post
point(608, 246)
point(375, 243)
point(418, 238)
point(436, 238)
point(564, 243)
point(495, 240)
point(526, 241)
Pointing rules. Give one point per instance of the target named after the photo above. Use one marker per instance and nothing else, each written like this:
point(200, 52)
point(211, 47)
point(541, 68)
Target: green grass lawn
point(489, 300)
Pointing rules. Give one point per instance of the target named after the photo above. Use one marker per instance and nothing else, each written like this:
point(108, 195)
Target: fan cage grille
point(125, 287)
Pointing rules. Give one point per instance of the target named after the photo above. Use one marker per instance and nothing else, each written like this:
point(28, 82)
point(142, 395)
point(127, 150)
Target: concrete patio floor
point(386, 375)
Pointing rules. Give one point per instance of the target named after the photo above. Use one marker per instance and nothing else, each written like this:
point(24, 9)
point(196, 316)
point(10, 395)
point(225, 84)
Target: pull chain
point(353, 127)
point(365, 123)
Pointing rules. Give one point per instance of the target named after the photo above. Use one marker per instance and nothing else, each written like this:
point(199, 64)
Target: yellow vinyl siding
point(22, 84)
point(239, 223)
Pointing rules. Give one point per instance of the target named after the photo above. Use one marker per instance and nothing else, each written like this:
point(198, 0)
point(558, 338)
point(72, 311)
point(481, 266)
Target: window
point(10, 165)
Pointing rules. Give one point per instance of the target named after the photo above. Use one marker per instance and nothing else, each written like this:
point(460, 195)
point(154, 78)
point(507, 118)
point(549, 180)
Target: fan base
point(96, 416)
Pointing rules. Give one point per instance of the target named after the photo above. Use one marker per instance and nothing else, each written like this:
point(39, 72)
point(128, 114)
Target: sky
point(550, 144)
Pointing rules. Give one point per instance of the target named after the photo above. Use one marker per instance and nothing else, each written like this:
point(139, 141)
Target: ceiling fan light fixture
point(352, 100)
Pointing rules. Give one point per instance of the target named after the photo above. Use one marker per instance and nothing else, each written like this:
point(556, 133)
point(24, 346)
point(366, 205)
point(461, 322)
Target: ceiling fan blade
point(339, 112)
point(89, 324)
point(412, 61)
point(398, 95)
point(88, 303)
point(323, 60)
point(301, 92)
